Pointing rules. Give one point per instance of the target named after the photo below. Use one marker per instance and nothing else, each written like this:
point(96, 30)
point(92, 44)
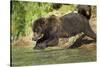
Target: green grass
point(27, 56)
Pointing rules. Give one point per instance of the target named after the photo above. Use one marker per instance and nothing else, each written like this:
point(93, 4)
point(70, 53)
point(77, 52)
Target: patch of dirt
point(23, 42)
point(91, 46)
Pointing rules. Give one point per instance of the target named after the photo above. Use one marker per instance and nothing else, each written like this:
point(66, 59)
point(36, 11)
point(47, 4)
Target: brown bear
point(47, 31)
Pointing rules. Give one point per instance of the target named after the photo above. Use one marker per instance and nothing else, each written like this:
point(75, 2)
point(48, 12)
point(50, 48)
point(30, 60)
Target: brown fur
point(55, 27)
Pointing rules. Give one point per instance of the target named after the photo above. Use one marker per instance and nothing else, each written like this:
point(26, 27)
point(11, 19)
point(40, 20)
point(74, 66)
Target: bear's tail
point(85, 10)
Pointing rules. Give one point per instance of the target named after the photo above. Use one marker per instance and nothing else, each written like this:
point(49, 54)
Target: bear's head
point(38, 28)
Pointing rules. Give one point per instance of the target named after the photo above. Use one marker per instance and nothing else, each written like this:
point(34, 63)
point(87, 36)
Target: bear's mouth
point(37, 36)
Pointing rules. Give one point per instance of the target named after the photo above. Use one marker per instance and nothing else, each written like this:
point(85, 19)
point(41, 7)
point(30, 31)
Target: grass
point(27, 56)
point(69, 8)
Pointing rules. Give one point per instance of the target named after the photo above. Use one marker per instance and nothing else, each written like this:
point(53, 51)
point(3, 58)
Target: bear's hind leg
point(89, 32)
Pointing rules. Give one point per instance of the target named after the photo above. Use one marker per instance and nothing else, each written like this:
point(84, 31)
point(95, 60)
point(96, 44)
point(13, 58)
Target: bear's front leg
point(40, 43)
point(52, 41)
point(48, 42)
